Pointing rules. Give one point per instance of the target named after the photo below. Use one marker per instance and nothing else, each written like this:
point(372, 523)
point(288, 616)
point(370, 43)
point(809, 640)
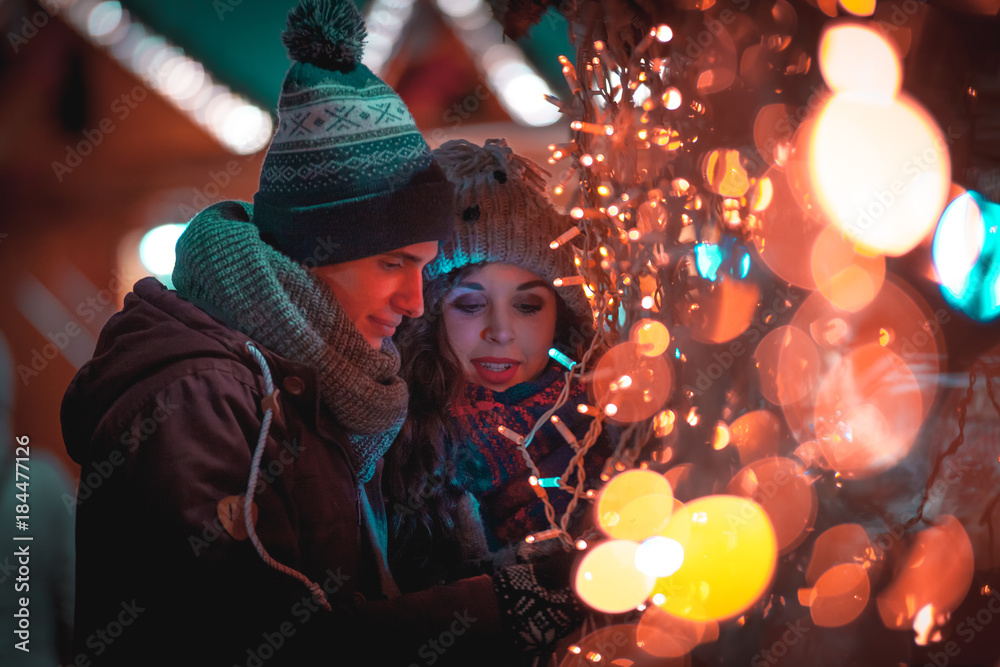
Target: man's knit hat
point(348, 174)
point(504, 216)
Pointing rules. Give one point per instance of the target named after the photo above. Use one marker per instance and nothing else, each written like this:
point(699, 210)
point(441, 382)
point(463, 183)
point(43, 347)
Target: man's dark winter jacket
point(163, 421)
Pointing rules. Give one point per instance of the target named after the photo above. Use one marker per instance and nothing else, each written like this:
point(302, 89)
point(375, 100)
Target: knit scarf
point(494, 469)
point(222, 262)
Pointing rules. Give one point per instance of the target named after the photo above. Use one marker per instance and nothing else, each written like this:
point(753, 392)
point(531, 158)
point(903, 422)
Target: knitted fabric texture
point(347, 174)
point(222, 262)
point(495, 469)
point(503, 215)
point(536, 614)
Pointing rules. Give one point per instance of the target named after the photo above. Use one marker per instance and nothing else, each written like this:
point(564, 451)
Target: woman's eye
point(529, 308)
point(469, 308)
point(391, 265)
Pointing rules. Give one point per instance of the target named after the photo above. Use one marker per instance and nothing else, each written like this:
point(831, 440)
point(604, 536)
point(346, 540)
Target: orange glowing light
point(651, 336)
point(772, 132)
point(617, 646)
point(664, 635)
point(857, 59)
point(840, 595)
point(634, 505)
point(788, 365)
point(843, 543)
point(859, 7)
point(608, 580)
point(937, 570)
point(880, 171)
point(755, 435)
point(868, 412)
point(914, 336)
point(783, 230)
point(724, 312)
point(721, 438)
point(780, 486)
point(729, 557)
point(724, 173)
point(848, 280)
point(651, 383)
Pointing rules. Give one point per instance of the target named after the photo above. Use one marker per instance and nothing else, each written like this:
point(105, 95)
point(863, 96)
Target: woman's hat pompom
point(326, 33)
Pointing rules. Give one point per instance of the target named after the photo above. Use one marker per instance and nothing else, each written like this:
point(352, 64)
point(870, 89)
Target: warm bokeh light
point(616, 646)
point(659, 556)
point(664, 635)
point(724, 174)
point(608, 580)
point(856, 59)
point(868, 412)
point(634, 505)
point(724, 312)
point(783, 231)
point(756, 435)
point(788, 365)
point(781, 487)
point(840, 595)
point(937, 570)
point(729, 557)
point(859, 7)
point(651, 381)
point(843, 543)
point(849, 281)
point(651, 336)
point(880, 171)
point(773, 130)
point(898, 319)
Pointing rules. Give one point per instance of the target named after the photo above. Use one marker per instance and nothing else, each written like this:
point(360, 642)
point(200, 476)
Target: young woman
point(478, 359)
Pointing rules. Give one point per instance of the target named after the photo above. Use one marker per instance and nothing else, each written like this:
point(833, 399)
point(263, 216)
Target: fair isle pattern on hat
point(503, 215)
point(347, 169)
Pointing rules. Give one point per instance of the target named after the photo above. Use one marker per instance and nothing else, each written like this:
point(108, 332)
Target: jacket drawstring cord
point(258, 454)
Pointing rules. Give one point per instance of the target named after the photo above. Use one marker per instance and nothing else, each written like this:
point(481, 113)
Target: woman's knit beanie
point(503, 215)
point(348, 174)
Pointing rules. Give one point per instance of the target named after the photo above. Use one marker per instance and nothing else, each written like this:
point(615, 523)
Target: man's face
point(377, 292)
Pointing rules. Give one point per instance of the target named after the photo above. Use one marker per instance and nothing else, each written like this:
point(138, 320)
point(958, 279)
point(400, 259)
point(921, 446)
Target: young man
point(234, 429)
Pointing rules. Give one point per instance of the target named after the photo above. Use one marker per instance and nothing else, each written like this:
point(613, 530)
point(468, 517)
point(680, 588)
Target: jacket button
point(294, 385)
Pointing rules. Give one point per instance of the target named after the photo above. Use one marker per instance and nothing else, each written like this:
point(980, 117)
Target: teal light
point(561, 358)
point(966, 254)
point(708, 259)
point(548, 482)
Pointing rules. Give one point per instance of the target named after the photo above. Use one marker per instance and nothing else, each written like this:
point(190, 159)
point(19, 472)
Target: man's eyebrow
point(402, 254)
point(531, 284)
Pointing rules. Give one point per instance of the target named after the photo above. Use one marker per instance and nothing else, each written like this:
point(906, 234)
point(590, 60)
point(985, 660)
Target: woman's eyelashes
point(468, 306)
point(478, 306)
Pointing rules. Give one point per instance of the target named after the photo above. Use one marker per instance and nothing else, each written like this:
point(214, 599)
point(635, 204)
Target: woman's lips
point(496, 370)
